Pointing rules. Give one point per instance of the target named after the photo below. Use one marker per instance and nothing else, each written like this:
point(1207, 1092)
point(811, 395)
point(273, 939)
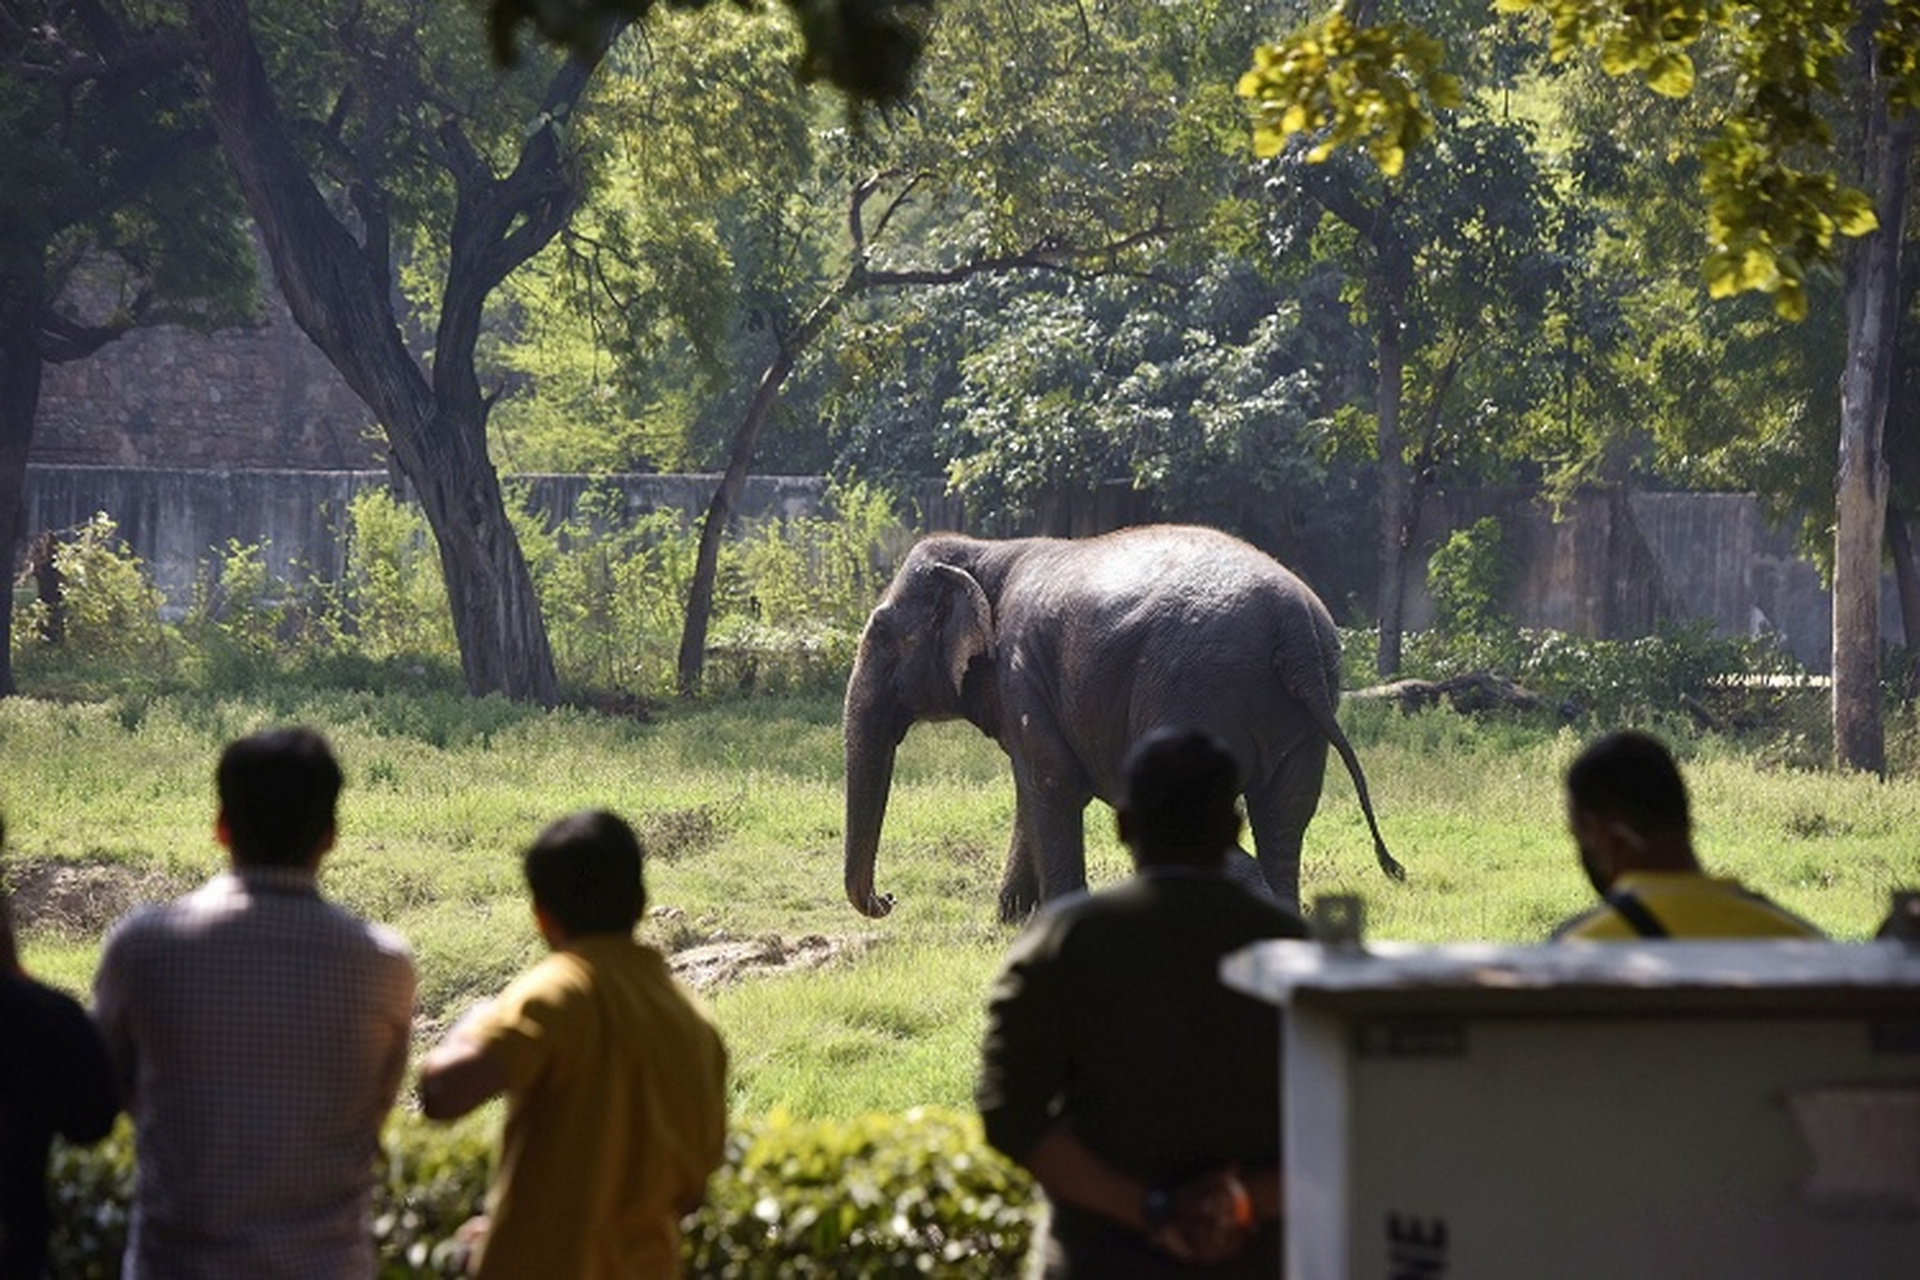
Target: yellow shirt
point(616, 1114)
point(1684, 904)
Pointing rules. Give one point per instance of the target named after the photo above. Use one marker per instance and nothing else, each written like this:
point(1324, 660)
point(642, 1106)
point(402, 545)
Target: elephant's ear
point(963, 621)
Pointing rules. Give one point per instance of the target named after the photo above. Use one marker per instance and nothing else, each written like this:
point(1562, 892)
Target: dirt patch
point(679, 833)
point(726, 960)
point(80, 899)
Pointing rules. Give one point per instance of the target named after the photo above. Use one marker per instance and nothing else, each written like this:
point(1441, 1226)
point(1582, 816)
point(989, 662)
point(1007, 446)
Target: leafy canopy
point(1776, 204)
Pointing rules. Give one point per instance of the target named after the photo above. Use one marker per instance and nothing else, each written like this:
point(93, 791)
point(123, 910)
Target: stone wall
point(259, 397)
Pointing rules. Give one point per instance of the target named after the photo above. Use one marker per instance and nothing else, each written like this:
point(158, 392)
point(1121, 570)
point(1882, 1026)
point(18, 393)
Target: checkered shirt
point(259, 1034)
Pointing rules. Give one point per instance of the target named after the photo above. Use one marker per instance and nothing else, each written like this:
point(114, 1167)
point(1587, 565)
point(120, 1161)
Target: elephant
point(1066, 652)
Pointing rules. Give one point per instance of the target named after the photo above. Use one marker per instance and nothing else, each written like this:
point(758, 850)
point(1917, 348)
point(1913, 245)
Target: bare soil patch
point(80, 899)
point(726, 960)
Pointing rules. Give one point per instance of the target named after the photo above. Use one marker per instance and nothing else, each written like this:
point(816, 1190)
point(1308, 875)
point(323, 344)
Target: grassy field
point(740, 803)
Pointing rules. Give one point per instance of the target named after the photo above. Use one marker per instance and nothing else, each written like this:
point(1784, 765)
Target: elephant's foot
point(1017, 903)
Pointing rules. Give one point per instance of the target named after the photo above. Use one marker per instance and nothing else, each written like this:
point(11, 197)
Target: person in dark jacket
point(54, 1080)
point(1140, 1091)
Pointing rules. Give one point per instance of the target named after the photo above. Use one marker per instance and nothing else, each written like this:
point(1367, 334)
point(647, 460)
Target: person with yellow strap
point(1628, 813)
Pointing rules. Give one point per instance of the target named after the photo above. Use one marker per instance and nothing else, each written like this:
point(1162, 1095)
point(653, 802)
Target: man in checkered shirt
point(259, 1034)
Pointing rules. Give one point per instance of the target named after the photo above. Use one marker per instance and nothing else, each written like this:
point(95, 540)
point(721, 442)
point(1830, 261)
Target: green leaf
point(1671, 75)
point(1853, 213)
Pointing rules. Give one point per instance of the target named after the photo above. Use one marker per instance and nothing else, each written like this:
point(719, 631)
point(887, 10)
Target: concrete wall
point(175, 520)
point(1619, 564)
point(1609, 564)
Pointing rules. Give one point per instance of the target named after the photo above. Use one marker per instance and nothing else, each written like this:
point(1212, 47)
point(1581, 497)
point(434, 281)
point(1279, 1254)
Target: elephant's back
point(1160, 625)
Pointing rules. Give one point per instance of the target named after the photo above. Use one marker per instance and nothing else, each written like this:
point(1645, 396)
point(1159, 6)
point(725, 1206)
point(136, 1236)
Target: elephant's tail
point(1320, 696)
point(1331, 728)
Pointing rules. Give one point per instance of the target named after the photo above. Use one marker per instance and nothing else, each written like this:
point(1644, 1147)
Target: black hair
point(584, 870)
point(1631, 776)
point(1183, 789)
point(278, 789)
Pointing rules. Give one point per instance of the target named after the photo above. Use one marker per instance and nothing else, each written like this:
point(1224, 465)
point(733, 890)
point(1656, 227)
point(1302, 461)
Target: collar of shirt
point(1180, 871)
point(1628, 880)
point(299, 881)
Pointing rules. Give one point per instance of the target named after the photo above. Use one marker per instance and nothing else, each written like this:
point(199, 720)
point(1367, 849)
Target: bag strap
point(1635, 913)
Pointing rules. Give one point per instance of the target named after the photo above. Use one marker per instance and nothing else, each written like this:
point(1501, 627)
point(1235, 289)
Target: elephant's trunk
point(873, 731)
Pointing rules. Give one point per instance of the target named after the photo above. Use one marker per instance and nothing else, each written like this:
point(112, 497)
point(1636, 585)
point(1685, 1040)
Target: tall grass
point(109, 800)
point(740, 802)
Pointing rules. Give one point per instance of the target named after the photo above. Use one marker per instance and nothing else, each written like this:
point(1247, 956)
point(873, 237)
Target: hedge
point(918, 1193)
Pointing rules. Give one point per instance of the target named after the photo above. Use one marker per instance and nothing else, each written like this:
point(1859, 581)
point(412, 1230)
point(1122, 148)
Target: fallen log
point(1474, 691)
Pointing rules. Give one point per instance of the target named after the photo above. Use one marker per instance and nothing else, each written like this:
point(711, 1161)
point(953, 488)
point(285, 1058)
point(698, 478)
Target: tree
point(1007, 160)
point(1780, 199)
point(111, 179)
point(1457, 247)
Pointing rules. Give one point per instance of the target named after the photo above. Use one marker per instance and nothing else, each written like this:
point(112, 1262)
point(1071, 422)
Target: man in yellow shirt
point(1627, 810)
point(615, 1079)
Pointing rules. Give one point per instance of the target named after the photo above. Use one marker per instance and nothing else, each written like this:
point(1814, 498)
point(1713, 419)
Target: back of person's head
point(584, 871)
point(1631, 777)
point(278, 789)
point(1182, 790)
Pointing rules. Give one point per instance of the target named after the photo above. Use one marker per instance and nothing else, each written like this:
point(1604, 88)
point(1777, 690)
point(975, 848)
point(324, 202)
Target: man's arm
point(460, 1072)
point(1070, 1172)
point(90, 1097)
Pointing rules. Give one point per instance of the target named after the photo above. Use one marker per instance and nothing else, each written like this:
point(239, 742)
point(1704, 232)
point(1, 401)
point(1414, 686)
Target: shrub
point(392, 596)
point(1468, 576)
point(109, 625)
point(918, 1194)
point(1681, 670)
point(875, 1195)
point(791, 598)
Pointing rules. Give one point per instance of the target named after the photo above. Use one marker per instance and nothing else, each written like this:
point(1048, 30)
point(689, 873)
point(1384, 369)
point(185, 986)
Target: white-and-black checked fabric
point(259, 1033)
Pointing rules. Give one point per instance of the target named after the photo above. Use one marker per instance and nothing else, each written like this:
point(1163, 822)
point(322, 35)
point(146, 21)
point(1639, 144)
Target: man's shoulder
point(24, 1000)
point(1596, 924)
point(370, 935)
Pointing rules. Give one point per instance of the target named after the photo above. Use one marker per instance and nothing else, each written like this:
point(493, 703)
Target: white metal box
point(1737, 1109)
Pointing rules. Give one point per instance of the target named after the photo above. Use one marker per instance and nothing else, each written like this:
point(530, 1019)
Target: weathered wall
point(1618, 564)
point(175, 519)
point(173, 397)
point(1608, 564)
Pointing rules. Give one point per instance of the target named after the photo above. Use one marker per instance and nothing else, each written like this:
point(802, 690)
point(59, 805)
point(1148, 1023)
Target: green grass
point(740, 804)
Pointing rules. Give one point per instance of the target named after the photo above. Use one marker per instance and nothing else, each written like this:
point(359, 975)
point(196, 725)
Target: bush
point(876, 1195)
point(790, 601)
point(1682, 670)
point(1468, 576)
point(107, 625)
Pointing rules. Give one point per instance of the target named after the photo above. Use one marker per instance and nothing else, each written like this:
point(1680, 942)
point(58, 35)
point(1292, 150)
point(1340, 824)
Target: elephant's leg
point(1060, 844)
point(1020, 884)
point(1279, 813)
point(1245, 872)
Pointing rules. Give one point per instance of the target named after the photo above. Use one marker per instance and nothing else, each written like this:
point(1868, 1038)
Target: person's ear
point(549, 926)
point(222, 833)
point(1627, 836)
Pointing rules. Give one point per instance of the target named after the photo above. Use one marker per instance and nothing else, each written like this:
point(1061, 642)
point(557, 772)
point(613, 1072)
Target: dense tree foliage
point(116, 212)
point(1781, 197)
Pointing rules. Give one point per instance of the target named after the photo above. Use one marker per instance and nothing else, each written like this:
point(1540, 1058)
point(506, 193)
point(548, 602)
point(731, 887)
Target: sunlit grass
point(741, 805)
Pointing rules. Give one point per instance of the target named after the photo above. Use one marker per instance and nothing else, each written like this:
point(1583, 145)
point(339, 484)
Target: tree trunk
point(339, 293)
point(1395, 491)
point(713, 526)
point(1860, 485)
point(746, 438)
point(1906, 577)
point(20, 372)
